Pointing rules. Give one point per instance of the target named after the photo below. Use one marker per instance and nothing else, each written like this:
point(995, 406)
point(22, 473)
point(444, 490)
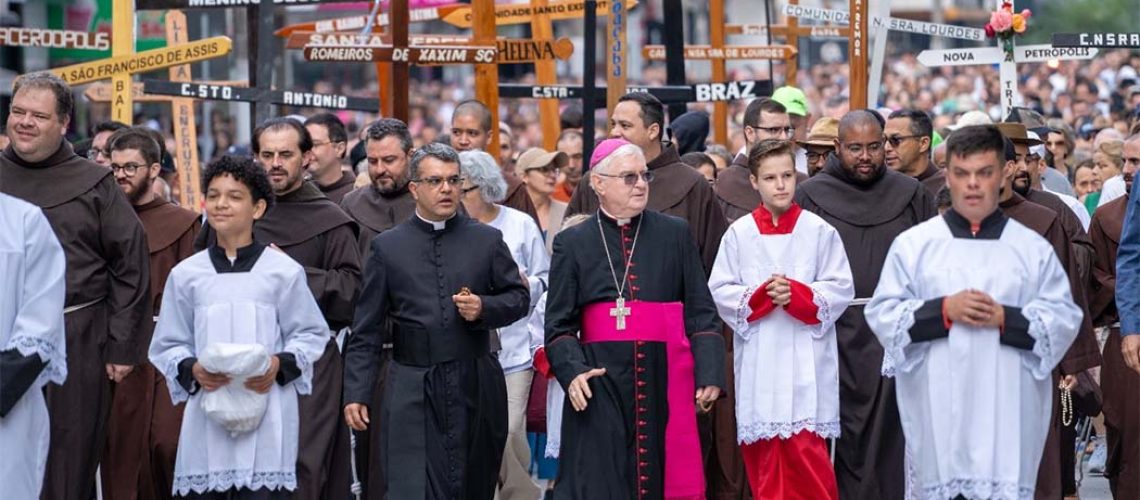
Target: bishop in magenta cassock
point(632, 335)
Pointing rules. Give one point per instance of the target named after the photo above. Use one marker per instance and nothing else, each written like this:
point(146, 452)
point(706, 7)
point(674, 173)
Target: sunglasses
point(631, 179)
point(895, 140)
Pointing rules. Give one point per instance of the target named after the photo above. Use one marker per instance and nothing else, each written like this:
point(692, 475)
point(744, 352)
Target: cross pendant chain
point(619, 313)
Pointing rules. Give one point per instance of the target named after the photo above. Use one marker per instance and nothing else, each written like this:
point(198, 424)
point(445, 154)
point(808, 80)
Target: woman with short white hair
point(483, 188)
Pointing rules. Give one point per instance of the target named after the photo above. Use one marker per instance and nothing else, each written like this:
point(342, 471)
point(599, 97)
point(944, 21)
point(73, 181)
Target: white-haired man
point(637, 337)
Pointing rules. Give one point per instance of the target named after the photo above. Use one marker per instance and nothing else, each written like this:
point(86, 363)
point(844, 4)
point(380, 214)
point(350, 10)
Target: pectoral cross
point(619, 312)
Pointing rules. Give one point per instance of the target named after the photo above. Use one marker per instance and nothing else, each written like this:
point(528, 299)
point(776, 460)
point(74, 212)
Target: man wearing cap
point(677, 189)
point(795, 102)
point(869, 205)
point(1120, 383)
point(765, 118)
point(820, 143)
point(909, 135)
point(632, 359)
point(1084, 353)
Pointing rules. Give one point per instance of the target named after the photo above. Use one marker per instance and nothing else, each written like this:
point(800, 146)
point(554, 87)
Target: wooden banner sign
point(1044, 53)
point(669, 94)
point(559, 10)
point(995, 55)
point(739, 52)
point(354, 23)
point(421, 56)
point(55, 39)
point(509, 50)
point(892, 23)
point(757, 29)
point(145, 61)
point(1100, 40)
point(617, 26)
point(216, 92)
point(101, 92)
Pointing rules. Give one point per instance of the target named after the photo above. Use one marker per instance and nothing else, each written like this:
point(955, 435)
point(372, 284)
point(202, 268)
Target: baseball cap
point(793, 100)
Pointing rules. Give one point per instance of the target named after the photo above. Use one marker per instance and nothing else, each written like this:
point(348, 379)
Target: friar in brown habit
point(471, 129)
point(108, 309)
point(763, 119)
point(1121, 385)
point(377, 207)
point(1076, 258)
point(870, 205)
point(316, 233)
point(142, 441)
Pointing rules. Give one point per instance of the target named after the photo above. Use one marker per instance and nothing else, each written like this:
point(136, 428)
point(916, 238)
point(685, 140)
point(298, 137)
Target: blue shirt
point(1128, 269)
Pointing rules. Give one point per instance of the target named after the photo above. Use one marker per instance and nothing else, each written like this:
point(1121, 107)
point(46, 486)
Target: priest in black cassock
point(633, 337)
point(436, 287)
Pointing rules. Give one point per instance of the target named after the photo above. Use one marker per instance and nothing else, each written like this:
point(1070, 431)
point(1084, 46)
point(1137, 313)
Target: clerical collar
point(785, 225)
point(614, 220)
point(246, 257)
point(435, 225)
point(990, 228)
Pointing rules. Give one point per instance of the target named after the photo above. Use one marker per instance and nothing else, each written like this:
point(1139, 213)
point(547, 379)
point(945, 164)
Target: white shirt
point(1075, 206)
point(32, 274)
point(523, 238)
point(787, 372)
point(1112, 189)
point(269, 305)
point(975, 412)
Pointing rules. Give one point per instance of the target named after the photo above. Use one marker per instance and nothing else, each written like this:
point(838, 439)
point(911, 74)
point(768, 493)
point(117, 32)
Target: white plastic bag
point(232, 406)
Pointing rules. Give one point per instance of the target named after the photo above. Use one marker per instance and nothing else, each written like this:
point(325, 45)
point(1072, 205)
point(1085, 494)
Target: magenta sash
point(662, 322)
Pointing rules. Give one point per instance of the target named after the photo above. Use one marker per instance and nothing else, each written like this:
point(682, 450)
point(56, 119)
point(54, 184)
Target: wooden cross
point(1010, 94)
point(620, 311)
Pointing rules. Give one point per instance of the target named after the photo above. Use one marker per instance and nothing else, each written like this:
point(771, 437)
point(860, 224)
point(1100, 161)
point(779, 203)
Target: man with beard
point(312, 230)
point(378, 207)
point(763, 119)
point(1120, 383)
point(108, 289)
point(437, 286)
point(97, 150)
point(677, 189)
point(1084, 352)
point(471, 129)
point(143, 431)
point(330, 143)
point(869, 205)
point(909, 134)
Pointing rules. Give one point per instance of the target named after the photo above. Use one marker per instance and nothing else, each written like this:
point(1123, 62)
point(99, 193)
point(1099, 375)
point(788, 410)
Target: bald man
point(869, 205)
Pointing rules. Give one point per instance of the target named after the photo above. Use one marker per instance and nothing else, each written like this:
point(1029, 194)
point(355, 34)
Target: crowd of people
point(912, 301)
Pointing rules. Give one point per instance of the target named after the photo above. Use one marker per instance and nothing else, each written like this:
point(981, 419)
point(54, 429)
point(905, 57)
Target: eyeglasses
point(631, 178)
point(787, 131)
point(547, 170)
point(814, 156)
point(93, 153)
point(1032, 158)
point(130, 169)
point(317, 144)
point(469, 189)
point(895, 140)
point(857, 149)
point(436, 182)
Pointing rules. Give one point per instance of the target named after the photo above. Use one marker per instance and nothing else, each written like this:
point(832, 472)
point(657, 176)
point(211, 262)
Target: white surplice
point(32, 268)
point(787, 372)
point(975, 412)
point(272, 305)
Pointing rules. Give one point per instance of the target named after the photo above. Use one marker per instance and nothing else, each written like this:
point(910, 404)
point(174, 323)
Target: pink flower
point(1026, 13)
point(1001, 21)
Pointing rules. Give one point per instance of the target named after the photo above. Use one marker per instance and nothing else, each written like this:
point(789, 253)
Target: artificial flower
point(1018, 24)
point(1001, 20)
